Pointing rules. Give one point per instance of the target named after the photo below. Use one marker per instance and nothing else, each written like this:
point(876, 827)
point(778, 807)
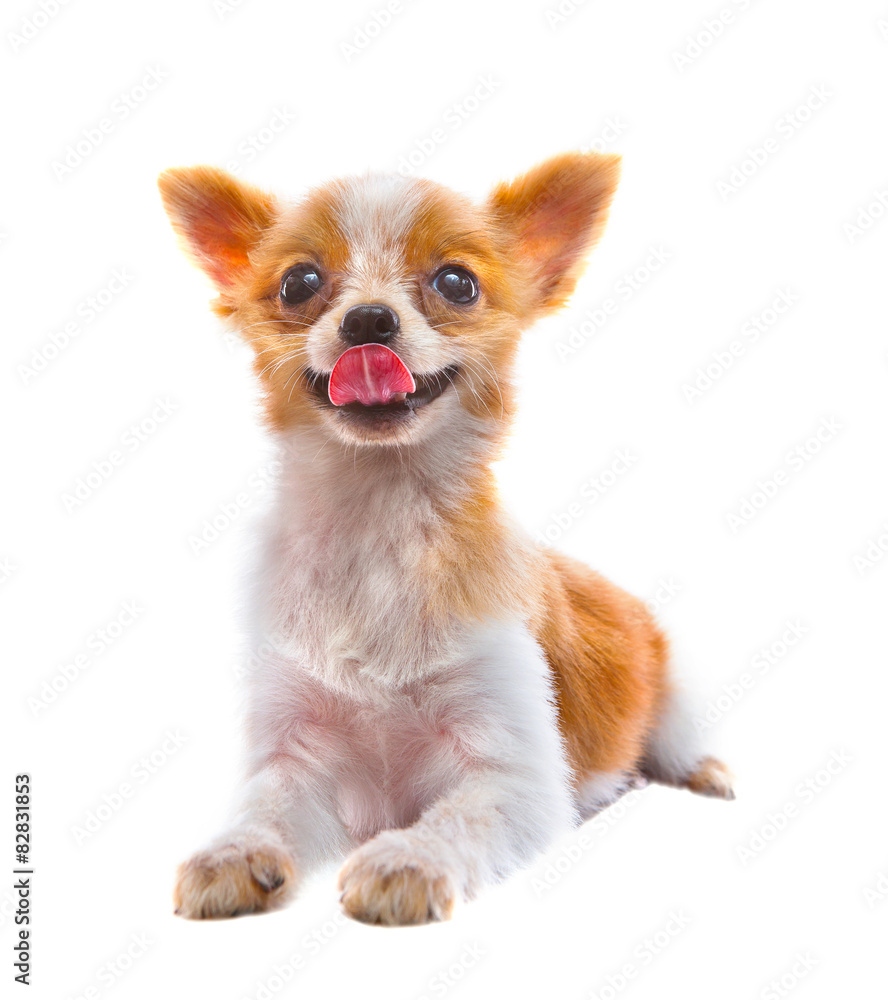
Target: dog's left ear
point(555, 214)
point(220, 218)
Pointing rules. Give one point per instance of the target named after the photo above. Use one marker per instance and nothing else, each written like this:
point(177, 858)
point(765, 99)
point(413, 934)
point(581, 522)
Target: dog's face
point(381, 307)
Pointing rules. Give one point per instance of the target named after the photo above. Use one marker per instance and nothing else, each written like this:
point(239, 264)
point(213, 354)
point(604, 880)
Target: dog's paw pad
point(233, 879)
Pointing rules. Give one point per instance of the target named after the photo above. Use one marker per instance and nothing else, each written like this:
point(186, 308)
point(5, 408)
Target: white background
point(798, 86)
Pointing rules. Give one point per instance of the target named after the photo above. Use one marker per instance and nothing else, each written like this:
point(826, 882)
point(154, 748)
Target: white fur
point(418, 742)
point(602, 790)
point(469, 762)
point(365, 722)
point(674, 748)
point(375, 214)
point(341, 589)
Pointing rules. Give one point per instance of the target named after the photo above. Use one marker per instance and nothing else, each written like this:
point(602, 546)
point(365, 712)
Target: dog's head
point(379, 306)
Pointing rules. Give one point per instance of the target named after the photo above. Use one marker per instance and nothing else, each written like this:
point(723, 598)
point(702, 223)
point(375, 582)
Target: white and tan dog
point(437, 697)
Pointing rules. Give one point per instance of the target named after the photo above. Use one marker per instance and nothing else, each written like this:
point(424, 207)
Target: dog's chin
point(398, 422)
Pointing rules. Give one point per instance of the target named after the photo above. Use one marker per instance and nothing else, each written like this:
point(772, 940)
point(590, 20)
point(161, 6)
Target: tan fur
point(712, 778)
point(609, 660)
point(231, 880)
point(400, 897)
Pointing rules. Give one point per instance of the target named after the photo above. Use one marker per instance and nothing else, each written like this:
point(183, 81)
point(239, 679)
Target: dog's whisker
point(488, 368)
point(470, 363)
point(295, 375)
point(276, 363)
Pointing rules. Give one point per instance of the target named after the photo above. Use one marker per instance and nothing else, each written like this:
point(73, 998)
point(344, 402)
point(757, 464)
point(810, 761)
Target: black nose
point(369, 324)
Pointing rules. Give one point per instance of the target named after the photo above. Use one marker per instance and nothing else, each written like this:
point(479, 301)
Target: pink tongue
point(370, 374)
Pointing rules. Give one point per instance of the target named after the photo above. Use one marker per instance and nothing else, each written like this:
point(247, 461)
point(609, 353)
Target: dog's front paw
point(383, 882)
point(234, 877)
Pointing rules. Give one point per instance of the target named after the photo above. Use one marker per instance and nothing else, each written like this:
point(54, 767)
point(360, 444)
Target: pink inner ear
point(556, 235)
point(216, 237)
point(557, 211)
point(220, 217)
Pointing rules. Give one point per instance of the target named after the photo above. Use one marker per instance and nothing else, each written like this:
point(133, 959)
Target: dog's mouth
point(372, 383)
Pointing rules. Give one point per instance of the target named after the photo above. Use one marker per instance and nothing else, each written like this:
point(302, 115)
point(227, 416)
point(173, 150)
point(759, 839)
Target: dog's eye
point(300, 283)
point(456, 284)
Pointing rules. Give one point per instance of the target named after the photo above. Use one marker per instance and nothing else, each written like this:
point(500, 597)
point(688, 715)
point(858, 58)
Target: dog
point(435, 696)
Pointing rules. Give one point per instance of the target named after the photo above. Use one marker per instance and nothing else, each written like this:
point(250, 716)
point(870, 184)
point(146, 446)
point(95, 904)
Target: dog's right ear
point(219, 217)
point(555, 213)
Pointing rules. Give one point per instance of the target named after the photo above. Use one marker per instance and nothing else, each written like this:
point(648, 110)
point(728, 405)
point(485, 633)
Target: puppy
point(434, 697)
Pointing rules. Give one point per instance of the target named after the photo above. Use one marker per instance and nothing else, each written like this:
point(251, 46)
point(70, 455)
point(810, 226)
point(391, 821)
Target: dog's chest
point(388, 751)
point(348, 591)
